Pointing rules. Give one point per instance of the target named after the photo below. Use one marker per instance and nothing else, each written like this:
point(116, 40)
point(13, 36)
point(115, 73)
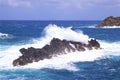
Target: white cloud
point(15, 3)
point(82, 3)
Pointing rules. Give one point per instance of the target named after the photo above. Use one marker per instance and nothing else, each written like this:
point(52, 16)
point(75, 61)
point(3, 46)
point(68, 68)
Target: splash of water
point(65, 61)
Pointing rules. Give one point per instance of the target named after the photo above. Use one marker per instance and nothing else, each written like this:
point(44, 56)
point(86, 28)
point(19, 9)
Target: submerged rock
point(109, 22)
point(56, 47)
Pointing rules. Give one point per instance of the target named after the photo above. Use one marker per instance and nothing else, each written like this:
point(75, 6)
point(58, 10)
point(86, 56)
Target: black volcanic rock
point(56, 47)
point(110, 21)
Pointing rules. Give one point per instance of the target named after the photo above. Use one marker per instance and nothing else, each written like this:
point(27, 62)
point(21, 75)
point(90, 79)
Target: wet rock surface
point(55, 48)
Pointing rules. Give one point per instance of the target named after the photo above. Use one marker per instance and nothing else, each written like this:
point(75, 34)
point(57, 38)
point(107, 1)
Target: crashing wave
point(57, 45)
point(65, 61)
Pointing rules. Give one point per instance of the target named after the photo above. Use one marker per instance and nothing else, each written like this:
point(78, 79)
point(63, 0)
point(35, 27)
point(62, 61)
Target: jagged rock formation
point(109, 22)
point(56, 47)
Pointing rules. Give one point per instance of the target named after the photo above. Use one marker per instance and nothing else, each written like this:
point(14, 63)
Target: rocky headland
point(55, 48)
point(110, 22)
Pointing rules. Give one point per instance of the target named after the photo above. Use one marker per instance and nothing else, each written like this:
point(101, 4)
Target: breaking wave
point(65, 61)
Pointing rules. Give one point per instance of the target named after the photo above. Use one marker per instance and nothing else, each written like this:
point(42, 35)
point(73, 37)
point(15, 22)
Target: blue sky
point(58, 9)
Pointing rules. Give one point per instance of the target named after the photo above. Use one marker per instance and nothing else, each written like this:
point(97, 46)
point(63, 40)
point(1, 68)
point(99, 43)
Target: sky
point(58, 9)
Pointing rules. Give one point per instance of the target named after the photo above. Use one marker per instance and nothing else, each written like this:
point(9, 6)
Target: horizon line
point(43, 20)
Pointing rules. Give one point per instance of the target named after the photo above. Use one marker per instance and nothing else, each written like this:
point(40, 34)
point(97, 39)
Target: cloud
point(59, 9)
point(93, 3)
point(15, 3)
point(81, 4)
point(104, 3)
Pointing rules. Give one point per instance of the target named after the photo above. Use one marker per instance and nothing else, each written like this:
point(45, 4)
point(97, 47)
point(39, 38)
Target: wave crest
point(53, 30)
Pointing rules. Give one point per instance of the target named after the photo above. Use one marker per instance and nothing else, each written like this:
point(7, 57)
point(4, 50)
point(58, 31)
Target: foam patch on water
point(111, 27)
point(5, 36)
point(104, 26)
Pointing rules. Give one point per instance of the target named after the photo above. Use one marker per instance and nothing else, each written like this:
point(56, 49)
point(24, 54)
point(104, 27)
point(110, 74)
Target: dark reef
point(56, 47)
point(110, 21)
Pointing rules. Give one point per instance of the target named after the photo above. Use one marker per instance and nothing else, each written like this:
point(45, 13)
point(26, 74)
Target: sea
point(102, 64)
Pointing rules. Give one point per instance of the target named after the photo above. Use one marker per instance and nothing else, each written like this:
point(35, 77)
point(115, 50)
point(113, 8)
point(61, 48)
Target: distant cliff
point(110, 22)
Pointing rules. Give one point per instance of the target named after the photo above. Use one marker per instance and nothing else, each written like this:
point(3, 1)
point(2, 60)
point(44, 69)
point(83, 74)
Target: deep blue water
point(22, 33)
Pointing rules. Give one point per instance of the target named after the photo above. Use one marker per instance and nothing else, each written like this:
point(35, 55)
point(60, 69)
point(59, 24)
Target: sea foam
point(111, 27)
point(5, 36)
point(65, 61)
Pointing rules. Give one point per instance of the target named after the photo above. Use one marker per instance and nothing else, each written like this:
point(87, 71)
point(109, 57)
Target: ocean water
point(101, 64)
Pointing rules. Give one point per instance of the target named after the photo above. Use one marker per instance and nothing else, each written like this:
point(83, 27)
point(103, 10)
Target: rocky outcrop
point(109, 22)
point(56, 47)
